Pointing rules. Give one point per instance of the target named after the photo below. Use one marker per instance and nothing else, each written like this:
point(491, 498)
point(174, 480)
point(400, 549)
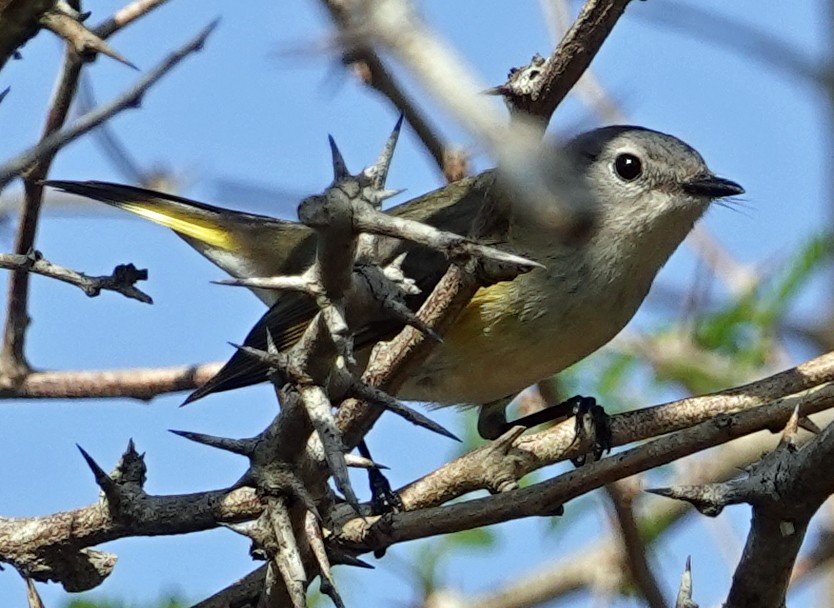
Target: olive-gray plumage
point(651, 188)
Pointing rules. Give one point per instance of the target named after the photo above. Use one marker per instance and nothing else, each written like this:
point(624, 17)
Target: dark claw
point(383, 498)
point(586, 410)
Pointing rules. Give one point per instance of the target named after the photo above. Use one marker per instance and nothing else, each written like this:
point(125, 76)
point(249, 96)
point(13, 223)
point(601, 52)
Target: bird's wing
point(247, 245)
point(450, 208)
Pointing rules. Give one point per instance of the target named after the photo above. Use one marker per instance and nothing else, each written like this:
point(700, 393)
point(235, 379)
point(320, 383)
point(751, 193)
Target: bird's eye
point(628, 166)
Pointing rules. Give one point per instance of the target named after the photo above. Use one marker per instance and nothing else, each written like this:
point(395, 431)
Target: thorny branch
point(785, 490)
point(295, 550)
point(656, 517)
point(181, 514)
point(547, 497)
point(461, 475)
point(66, 23)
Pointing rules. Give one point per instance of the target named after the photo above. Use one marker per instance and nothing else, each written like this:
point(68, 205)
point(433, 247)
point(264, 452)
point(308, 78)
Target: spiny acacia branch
point(22, 538)
point(547, 497)
point(350, 228)
point(785, 489)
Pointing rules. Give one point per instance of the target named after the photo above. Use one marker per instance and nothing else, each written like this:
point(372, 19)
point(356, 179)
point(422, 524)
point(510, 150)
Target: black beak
point(712, 186)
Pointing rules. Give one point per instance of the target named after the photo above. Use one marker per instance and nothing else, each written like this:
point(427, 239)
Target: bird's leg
point(492, 421)
point(492, 418)
point(383, 498)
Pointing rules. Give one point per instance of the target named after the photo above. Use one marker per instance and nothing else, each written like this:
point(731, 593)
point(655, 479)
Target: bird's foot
point(383, 498)
point(592, 420)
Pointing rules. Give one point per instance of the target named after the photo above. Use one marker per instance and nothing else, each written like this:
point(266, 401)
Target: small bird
point(651, 188)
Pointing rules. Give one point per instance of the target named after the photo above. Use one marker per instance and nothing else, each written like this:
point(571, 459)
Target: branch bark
point(548, 82)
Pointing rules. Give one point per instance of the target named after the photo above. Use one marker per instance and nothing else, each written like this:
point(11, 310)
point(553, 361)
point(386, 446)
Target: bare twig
point(12, 359)
point(35, 162)
point(134, 383)
point(128, 99)
point(557, 75)
point(125, 16)
point(622, 495)
point(368, 67)
point(122, 280)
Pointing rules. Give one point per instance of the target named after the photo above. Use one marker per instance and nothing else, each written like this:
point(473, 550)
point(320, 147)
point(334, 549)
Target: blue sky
point(255, 106)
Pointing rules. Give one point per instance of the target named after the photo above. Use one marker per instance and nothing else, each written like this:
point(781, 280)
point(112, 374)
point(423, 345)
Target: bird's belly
point(474, 378)
point(489, 354)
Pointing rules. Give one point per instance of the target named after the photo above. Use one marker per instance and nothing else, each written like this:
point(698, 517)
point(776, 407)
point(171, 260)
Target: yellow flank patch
point(489, 296)
point(203, 231)
point(491, 309)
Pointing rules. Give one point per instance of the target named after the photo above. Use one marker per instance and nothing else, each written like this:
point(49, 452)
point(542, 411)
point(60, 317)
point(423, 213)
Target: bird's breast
point(513, 334)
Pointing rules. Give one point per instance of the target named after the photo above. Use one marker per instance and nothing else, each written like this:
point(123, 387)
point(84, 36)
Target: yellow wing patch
point(201, 230)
